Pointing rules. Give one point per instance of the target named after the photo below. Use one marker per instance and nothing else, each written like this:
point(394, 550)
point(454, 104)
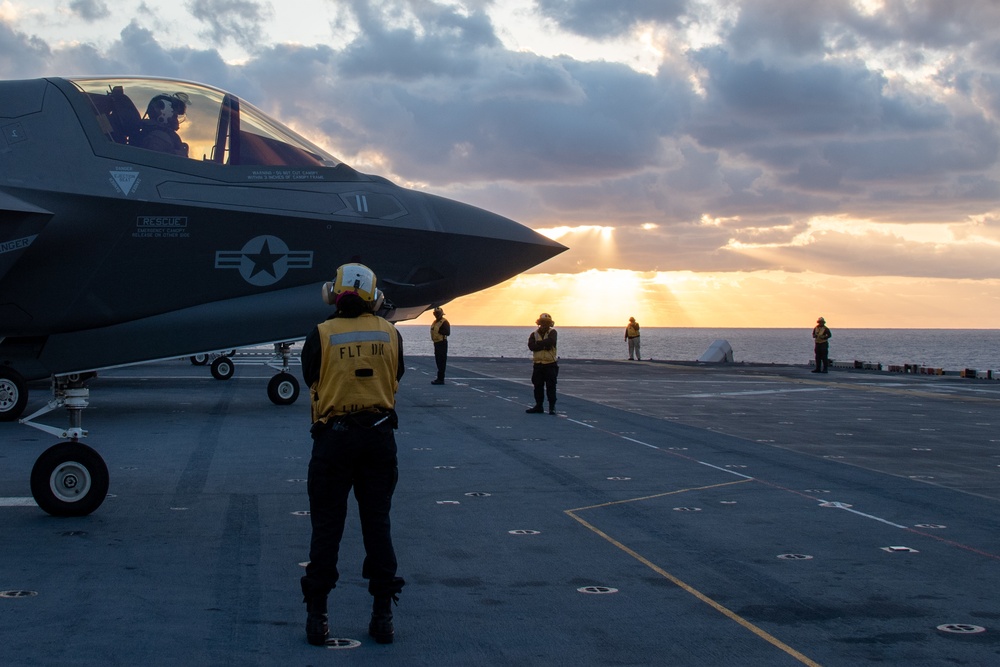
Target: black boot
point(317, 624)
point(380, 628)
point(537, 410)
point(552, 408)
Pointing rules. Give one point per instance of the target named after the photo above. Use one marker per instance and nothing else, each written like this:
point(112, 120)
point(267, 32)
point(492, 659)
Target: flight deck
point(669, 514)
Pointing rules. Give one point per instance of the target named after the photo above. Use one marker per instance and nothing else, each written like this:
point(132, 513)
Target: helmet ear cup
point(329, 298)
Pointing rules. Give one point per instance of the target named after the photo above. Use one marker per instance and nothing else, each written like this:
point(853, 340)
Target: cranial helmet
point(821, 321)
point(352, 279)
point(545, 319)
point(438, 311)
point(167, 109)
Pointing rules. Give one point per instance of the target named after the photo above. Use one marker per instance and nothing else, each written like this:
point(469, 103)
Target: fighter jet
point(149, 218)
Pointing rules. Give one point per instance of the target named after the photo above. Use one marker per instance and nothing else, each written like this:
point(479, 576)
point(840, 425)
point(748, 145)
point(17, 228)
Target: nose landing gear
point(283, 388)
point(69, 478)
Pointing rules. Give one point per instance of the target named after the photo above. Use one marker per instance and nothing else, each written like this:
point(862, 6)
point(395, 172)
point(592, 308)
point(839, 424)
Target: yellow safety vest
point(821, 334)
point(435, 328)
point(358, 368)
point(543, 356)
point(632, 330)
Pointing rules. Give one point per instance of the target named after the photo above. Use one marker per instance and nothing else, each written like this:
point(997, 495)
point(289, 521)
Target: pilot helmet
point(166, 109)
point(545, 320)
point(352, 279)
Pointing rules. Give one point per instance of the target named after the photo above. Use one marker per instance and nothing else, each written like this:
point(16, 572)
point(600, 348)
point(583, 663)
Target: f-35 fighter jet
point(145, 219)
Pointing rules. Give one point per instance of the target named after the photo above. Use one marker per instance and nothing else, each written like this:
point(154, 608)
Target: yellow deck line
point(733, 616)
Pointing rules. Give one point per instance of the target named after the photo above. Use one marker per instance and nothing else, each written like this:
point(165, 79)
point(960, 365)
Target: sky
point(709, 163)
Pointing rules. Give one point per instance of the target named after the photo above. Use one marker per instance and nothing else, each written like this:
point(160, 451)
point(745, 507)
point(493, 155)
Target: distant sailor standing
point(545, 369)
point(821, 335)
point(632, 338)
point(440, 330)
point(352, 363)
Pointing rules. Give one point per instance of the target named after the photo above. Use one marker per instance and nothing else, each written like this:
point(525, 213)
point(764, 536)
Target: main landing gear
point(69, 478)
point(283, 388)
point(13, 394)
point(222, 366)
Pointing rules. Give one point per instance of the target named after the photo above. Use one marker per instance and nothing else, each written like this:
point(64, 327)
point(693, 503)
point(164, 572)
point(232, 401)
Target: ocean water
point(951, 349)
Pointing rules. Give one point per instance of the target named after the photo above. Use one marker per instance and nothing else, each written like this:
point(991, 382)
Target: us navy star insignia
point(264, 260)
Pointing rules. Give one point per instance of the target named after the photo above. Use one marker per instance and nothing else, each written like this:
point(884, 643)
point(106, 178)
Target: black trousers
point(543, 377)
point(822, 356)
point(363, 459)
point(441, 357)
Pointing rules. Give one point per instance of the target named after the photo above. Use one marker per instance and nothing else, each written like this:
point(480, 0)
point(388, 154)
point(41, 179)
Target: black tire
point(13, 394)
point(223, 368)
point(69, 479)
point(199, 360)
point(283, 389)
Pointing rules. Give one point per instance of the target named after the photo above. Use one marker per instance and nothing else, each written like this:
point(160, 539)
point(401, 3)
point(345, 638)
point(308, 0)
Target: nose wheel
point(69, 479)
point(283, 388)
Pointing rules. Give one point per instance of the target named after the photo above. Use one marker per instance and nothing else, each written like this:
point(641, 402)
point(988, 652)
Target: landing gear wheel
point(223, 368)
point(199, 360)
point(69, 479)
point(283, 389)
point(13, 394)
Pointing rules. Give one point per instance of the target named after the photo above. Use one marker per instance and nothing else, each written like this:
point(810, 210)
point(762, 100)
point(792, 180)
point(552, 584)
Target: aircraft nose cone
point(513, 247)
point(456, 249)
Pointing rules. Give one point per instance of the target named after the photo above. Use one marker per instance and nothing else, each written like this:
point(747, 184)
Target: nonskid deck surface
point(670, 514)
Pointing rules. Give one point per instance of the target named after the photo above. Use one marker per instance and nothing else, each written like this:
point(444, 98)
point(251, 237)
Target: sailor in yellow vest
point(440, 330)
point(821, 336)
point(632, 338)
point(352, 364)
point(545, 369)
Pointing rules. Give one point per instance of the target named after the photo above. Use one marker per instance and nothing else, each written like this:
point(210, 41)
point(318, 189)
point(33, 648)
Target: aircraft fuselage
point(113, 253)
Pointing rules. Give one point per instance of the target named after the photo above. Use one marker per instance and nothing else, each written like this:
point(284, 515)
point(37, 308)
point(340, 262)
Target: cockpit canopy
point(214, 126)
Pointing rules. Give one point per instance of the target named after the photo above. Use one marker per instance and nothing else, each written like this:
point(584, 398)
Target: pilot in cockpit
point(161, 122)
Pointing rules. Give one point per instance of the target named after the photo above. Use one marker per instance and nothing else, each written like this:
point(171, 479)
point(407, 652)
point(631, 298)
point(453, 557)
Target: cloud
point(22, 53)
point(513, 116)
point(908, 29)
point(790, 99)
point(599, 18)
point(90, 10)
point(239, 21)
point(877, 253)
point(140, 52)
point(405, 41)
